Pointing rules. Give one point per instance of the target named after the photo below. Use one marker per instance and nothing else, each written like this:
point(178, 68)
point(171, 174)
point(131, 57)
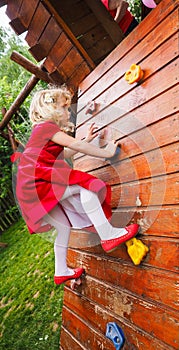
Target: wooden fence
point(8, 215)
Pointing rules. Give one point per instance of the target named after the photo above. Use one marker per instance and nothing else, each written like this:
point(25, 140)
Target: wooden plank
point(92, 339)
point(37, 25)
point(99, 298)
point(13, 8)
point(149, 283)
point(21, 23)
point(51, 33)
point(58, 53)
point(137, 141)
point(161, 190)
point(157, 139)
point(97, 43)
point(163, 251)
point(146, 27)
point(83, 24)
point(124, 96)
point(56, 77)
point(78, 75)
point(84, 332)
point(116, 77)
point(69, 342)
point(72, 60)
point(155, 221)
point(71, 10)
point(158, 162)
point(68, 32)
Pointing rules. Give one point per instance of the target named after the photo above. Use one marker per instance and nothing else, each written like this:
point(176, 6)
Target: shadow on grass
point(30, 303)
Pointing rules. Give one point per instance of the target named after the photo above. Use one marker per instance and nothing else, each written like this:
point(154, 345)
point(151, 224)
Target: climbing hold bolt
point(115, 333)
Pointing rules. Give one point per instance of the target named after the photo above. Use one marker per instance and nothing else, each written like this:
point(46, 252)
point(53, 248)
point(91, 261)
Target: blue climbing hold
point(113, 159)
point(115, 333)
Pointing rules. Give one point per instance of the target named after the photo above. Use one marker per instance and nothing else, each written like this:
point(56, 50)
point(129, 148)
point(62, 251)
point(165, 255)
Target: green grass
point(30, 303)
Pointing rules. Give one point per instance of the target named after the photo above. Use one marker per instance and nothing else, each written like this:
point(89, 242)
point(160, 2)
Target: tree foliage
point(12, 80)
point(135, 7)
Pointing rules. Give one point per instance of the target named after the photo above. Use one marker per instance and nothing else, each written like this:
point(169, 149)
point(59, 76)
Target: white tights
point(59, 220)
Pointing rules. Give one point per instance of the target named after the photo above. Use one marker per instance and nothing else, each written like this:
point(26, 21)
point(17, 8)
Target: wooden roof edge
point(69, 33)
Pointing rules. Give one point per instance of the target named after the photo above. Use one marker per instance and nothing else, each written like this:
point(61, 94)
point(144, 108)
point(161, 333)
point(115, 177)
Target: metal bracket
point(115, 333)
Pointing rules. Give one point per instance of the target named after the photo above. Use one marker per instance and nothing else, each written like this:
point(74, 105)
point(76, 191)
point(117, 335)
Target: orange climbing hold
point(134, 74)
point(136, 250)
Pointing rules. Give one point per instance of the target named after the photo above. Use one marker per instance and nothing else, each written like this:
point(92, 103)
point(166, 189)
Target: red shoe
point(111, 244)
point(77, 273)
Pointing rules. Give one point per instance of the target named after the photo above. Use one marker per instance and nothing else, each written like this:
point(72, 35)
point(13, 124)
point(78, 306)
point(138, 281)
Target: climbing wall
point(144, 116)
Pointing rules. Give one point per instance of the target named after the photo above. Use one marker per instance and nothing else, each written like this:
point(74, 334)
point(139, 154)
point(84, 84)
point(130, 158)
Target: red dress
point(43, 176)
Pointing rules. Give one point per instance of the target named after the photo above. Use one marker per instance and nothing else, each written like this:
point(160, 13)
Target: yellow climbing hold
point(134, 74)
point(136, 250)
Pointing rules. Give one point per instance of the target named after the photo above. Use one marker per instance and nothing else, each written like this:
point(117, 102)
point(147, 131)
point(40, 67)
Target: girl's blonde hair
point(44, 106)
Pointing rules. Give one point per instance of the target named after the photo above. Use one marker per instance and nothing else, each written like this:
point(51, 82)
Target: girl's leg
point(111, 237)
point(58, 219)
point(93, 209)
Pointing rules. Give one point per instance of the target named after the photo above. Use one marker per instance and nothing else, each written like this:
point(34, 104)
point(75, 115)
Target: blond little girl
point(52, 194)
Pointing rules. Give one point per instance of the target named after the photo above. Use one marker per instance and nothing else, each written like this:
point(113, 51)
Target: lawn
point(30, 303)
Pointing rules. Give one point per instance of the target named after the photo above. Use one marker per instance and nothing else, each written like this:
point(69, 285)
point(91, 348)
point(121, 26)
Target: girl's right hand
point(110, 149)
point(92, 133)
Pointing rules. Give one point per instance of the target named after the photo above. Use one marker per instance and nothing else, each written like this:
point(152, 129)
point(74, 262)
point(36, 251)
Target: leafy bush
point(135, 7)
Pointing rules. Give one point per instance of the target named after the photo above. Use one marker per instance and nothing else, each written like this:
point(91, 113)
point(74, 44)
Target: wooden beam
point(3, 245)
point(18, 101)
point(10, 135)
point(106, 20)
point(31, 67)
point(12, 140)
point(69, 33)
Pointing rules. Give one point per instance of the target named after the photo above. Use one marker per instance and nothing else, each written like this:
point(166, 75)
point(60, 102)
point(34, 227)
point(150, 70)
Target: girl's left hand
point(92, 133)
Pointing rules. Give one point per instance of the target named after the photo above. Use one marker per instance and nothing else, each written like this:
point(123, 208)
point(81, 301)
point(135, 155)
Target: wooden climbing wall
point(142, 300)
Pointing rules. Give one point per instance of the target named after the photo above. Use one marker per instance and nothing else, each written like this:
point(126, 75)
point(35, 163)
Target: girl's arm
point(120, 6)
point(83, 146)
point(92, 133)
